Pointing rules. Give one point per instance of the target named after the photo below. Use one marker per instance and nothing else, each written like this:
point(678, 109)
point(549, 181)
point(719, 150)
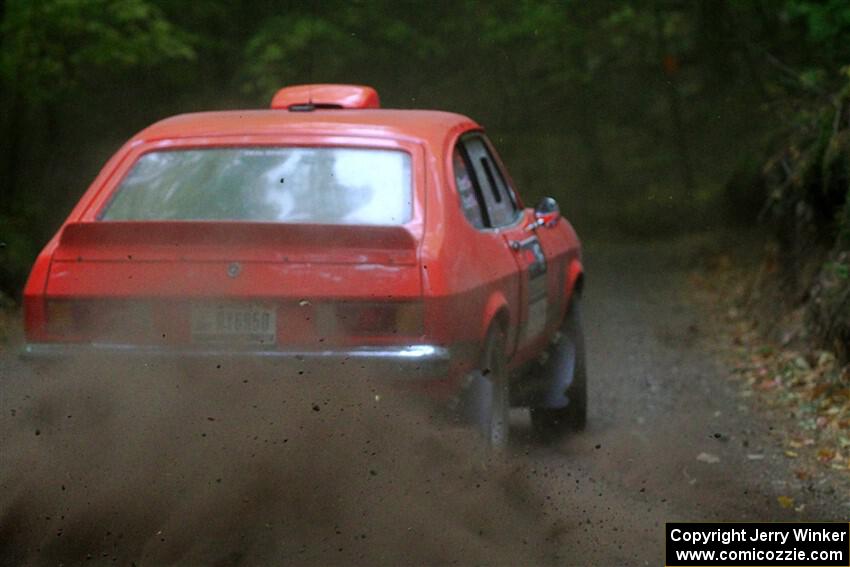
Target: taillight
point(34, 317)
point(65, 320)
point(83, 320)
point(60, 317)
point(368, 318)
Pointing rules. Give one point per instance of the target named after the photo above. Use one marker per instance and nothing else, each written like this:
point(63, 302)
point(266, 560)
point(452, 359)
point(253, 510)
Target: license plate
point(223, 323)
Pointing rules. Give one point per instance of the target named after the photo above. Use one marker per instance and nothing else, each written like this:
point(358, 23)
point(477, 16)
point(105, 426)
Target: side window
point(470, 198)
point(498, 198)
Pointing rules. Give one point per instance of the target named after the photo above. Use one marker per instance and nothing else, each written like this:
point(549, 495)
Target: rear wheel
point(488, 406)
point(551, 424)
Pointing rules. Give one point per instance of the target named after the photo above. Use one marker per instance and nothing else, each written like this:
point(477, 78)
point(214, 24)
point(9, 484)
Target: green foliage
point(843, 239)
point(286, 48)
point(842, 271)
point(50, 44)
point(343, 44)
point(827, 22)
point(17, 250)
point(55, 54)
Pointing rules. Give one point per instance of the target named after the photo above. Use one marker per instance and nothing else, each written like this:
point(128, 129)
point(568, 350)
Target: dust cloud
point(214, 464)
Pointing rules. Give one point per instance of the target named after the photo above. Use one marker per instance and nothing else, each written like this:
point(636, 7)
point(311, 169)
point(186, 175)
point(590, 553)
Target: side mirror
point(546, 213)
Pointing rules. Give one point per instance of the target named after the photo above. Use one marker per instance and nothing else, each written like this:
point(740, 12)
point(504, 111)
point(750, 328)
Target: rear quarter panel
point(469, 278)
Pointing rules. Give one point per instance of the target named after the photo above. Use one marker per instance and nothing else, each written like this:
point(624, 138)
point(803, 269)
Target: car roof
point(428, 125)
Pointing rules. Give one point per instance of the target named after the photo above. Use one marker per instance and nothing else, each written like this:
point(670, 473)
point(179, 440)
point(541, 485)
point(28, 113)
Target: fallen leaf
point(826, 455)
point(785, 501)
point(818, 390)
point(791, 454)
point(708, 458)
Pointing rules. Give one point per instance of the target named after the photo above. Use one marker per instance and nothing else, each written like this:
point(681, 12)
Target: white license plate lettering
point(227, 323)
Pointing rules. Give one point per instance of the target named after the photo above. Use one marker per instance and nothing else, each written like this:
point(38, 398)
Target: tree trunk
point(680, 140)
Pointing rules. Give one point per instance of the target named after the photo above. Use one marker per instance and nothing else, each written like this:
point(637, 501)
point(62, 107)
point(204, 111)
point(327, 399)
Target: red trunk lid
point(160, 281)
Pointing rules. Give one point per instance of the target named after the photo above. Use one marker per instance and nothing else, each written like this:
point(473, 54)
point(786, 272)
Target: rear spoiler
point(77, 237)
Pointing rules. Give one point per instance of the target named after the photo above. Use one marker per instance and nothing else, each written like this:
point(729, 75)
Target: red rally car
point(324, 228)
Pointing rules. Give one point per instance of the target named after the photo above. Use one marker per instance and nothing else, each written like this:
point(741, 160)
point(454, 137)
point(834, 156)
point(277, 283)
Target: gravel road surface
point(153, 465)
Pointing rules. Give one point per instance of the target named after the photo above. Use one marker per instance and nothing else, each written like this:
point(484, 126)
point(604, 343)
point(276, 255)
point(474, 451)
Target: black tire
point(552, 424)
point(488, 397)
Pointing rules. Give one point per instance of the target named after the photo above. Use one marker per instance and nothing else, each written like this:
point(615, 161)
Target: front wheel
point(551, 424)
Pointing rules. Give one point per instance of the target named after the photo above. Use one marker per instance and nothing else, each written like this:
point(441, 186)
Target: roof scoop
point(312, 97)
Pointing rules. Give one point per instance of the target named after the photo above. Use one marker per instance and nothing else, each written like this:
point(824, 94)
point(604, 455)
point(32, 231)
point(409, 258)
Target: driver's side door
point(504, 216)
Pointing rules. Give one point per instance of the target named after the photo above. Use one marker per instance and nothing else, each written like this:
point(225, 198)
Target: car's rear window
point(328, 185)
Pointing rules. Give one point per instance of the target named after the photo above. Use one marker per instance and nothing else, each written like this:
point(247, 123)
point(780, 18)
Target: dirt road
point(153, 465)
point(662, 411)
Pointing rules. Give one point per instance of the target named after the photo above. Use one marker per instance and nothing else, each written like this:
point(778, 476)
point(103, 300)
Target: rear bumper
point(422, 362)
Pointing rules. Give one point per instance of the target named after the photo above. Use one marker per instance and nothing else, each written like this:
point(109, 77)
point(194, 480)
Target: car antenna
point(309, 106)
point(310, 86)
